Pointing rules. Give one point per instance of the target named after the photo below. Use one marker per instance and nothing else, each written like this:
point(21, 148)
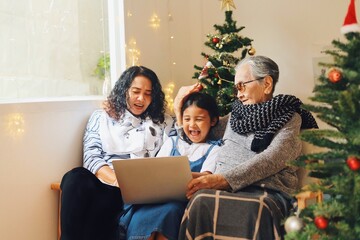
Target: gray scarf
point(265, 119)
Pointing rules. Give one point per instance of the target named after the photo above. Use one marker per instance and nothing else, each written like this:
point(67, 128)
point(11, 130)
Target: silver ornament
point(293, 224)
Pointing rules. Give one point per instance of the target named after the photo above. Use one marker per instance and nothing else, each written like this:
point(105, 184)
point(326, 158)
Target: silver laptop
point(153, 180)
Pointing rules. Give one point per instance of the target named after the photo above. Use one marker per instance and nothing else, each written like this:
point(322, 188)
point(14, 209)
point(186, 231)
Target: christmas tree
point(336, 101)
point(217, 76)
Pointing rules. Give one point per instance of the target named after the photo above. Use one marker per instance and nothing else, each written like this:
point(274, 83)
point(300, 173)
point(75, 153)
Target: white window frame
point(116, 39)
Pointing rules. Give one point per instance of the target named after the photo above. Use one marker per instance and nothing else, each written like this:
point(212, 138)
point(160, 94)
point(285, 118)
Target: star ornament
point(227, 4)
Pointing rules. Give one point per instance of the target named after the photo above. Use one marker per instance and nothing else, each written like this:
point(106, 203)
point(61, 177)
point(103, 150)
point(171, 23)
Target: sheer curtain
point(51, 48)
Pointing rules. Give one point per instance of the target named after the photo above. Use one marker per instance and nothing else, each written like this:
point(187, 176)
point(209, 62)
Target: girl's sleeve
point(170, 128)
point(210, 162)
point(93, 155)
point(165, 149)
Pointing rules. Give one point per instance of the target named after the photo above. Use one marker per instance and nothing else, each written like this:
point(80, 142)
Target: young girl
point(199, 114)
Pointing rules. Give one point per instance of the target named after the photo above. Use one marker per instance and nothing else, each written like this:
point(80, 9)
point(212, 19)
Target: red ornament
point(216, 40)
point(353, 163)
point(321, 222)
point(334, 75)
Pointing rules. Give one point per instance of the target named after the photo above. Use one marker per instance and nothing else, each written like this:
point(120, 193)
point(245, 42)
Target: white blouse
point(105, 138)
point(194, 151)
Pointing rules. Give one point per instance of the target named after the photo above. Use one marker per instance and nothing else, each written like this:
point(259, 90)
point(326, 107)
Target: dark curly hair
point(116, 103)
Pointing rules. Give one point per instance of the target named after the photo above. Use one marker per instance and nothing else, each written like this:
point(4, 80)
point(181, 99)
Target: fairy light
point(129, 12)
point(133, 53)
point(155, 21)
point(170, 17)
point(15, 124)
point(169, 92)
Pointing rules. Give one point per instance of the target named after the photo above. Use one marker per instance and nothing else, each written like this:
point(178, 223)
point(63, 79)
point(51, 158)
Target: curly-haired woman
point(131, 124)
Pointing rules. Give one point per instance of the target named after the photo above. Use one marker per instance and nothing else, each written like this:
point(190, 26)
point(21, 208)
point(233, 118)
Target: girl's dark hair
point(200, 100)
point(116, 103)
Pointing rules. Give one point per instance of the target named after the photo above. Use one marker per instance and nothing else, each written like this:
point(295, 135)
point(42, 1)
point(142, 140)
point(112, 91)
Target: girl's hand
point(207, 181)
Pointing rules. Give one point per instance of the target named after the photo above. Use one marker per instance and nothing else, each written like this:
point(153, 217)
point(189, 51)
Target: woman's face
point(139, 95)
point(197, 123)
point(255, 91)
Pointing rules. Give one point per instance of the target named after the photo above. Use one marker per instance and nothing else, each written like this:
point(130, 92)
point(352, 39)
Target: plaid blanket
point(252, 213)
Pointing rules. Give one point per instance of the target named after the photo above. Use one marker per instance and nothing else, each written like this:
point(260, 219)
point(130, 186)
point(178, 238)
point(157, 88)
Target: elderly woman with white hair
point(250, 191)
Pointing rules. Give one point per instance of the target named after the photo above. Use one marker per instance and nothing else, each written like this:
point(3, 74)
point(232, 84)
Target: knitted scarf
point(265, 119)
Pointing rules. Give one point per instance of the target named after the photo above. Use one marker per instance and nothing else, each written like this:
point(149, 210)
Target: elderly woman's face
point(254, 91)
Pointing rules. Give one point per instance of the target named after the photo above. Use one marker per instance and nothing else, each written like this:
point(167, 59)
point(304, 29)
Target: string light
point(170, 18)
point(133, 53)
point(155, 21)
point(15, 124)
point(129, 12)
point(171, 85)
point(169, 91)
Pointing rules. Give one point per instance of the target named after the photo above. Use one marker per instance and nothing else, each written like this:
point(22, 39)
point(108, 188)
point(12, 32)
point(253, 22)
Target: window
point(52, 48)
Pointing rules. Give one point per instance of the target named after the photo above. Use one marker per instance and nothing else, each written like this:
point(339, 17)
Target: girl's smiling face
point(197, 123)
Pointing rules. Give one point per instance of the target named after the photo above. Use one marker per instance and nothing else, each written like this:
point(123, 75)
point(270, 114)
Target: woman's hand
point(206, 181)
point(179, 99)
point(199, 174)
point(106, 174)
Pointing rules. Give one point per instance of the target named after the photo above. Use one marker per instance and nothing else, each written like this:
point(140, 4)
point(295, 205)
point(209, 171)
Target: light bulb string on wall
point(170, 39)
point(170, 86)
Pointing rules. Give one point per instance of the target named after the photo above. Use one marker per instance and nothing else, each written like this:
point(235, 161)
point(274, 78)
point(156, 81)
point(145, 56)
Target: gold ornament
point(251, 51)
point(227, 4)
point(219, 82)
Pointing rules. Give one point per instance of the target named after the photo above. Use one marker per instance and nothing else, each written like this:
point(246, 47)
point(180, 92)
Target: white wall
point(39, 143)
point(292, 33)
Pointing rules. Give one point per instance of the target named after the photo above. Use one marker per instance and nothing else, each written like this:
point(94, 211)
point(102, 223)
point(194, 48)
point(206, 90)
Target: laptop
point(153, 180)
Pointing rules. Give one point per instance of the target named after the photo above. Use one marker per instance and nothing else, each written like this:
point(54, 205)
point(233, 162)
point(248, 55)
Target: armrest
point(55, 186)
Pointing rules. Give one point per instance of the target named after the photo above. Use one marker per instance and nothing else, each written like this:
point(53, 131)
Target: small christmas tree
point(337, 168)
point(217, 76)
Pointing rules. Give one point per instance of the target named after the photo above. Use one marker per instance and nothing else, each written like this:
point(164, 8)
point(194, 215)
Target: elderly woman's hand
point(208, 181)
point(180, 96)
